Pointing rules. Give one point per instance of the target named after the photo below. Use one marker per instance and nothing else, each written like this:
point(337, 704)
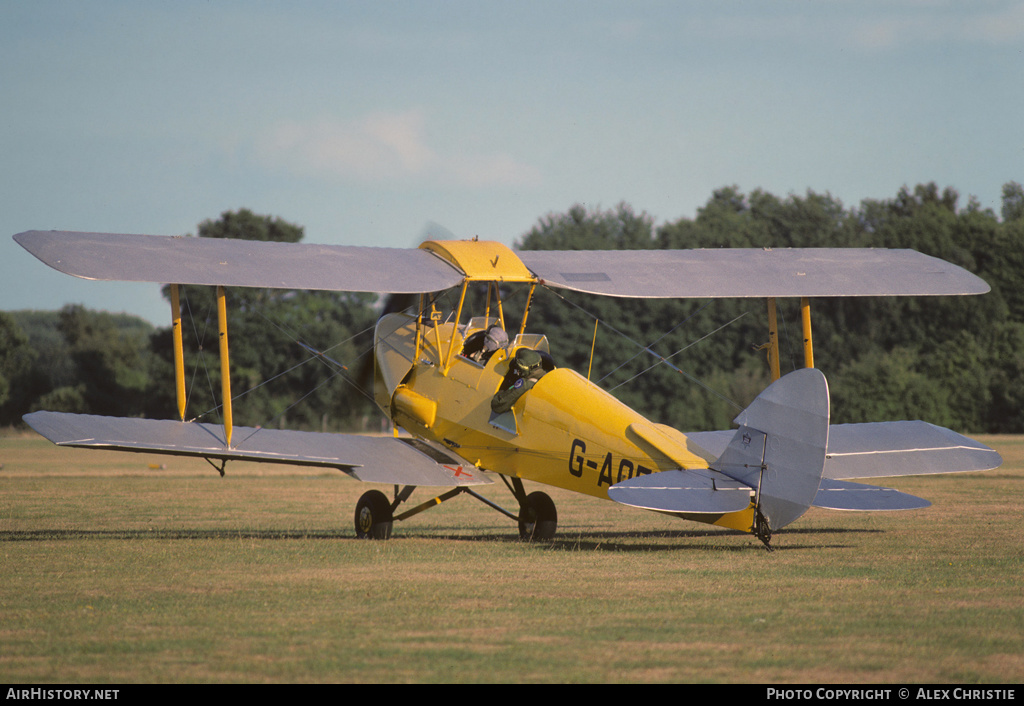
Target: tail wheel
point(373, 516)
point(538, 518)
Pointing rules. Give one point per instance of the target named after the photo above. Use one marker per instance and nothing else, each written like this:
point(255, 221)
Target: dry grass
point(118, 572)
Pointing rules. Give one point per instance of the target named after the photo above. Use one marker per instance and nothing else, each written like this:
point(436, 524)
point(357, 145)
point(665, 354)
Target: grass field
point(115, 571)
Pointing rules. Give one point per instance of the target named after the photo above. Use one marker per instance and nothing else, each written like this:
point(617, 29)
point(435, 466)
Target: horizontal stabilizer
point(690, 491)
point(843, 495)
point(367, 458)
point(884, 449)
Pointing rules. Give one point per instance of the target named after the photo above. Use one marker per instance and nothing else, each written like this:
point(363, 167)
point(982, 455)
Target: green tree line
point(303, 359)
point(954, 361)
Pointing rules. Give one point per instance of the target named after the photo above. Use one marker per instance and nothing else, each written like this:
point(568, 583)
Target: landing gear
point(373, 516)
point(538, 519)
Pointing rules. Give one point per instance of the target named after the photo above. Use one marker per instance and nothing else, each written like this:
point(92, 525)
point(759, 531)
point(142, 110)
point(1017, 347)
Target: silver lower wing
point(883, 449)
point(367, 458)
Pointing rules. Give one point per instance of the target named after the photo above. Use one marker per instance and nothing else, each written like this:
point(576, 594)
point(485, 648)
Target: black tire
point(538, 519)
point(373, 516)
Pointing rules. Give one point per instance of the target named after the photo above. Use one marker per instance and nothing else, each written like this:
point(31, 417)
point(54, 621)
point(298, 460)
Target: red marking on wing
point(457, 470)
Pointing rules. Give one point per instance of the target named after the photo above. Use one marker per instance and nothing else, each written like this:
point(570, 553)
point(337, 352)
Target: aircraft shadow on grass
point(609, 541)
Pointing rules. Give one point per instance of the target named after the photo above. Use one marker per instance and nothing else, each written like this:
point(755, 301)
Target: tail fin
point(780, 447)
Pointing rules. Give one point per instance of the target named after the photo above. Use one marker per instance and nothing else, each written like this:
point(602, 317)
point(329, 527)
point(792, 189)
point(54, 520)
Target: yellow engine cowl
point(414, 406)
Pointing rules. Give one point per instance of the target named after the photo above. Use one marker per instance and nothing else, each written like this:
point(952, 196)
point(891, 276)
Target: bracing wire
point(647, 348)
point(682, 372)
point(661, 359)
point(338, 370)
point(201, 358)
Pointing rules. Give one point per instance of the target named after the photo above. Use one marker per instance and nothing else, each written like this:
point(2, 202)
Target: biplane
point(433, 380)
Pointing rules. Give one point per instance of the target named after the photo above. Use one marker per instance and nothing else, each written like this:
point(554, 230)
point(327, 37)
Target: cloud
point(384, 147)
point(934, 25)
point(998, 27)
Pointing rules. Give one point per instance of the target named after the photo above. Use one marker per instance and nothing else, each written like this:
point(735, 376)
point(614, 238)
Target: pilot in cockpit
point(482, 345)
point(525, 369)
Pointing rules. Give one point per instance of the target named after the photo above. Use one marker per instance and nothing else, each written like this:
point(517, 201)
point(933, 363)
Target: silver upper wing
point(239, 263)
point(751, 272)
point(712, 273)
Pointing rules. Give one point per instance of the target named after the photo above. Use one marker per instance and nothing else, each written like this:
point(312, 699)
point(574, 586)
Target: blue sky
point(365, 121)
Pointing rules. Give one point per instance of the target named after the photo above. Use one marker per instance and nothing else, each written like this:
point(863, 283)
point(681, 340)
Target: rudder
point(779, 448)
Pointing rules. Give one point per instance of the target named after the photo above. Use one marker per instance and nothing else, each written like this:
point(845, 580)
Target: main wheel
point(373, 516)
point(538, 518)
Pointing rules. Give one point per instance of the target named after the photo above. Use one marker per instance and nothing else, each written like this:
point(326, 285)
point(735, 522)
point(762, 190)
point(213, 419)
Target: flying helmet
point(494, 339)
point(526, 361)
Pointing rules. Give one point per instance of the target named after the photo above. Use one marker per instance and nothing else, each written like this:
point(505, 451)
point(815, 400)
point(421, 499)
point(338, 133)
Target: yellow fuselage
point(565, 432)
